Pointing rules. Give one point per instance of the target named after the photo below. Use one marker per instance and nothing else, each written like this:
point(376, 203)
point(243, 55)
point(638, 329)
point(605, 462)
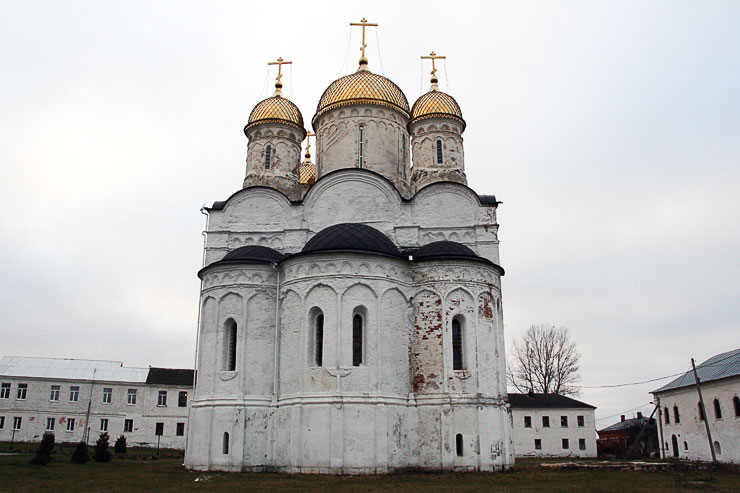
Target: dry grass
point(166, 474)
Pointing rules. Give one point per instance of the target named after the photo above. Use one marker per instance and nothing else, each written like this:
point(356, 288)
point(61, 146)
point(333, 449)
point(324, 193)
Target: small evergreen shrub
point(80, 454)
point(102, 454)
point(43, 453)
point(120, 446)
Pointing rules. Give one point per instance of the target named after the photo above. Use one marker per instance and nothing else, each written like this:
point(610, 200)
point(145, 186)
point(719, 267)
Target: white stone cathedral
point(350, 317)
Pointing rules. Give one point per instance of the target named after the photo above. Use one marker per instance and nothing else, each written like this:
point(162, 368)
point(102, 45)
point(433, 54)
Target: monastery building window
point(225, 445)
point(702, 416)
point(457, 345)
point(676, 416)
point(159, 429)
point(50, 424)
point(70, 424)
point(459, 444)
point(563, 421)
point(357, 323)
point(107, 395)
point(717, 410)
point(230, 346)
point(131, 397)
point(439, 152)
point(180, 430)
point(103, 424)
point(5, 390)
point(128, 425)
point(74, 393)
point(581, 422)
point(182, 399)
point(736, 405)
point(566, 444)
point(22, 391)
point(162, 398)
point(667, 416)
point(361, 147)
point(545, 421)
point(527, 421)
point(54, 393)
point(268, 156)
point(581, 444)
point(17, 422)
point(318, 349)
point(538, 444)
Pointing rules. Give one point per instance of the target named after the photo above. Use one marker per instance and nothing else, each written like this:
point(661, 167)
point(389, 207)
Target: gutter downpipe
point(204, 211)
point(276, 363)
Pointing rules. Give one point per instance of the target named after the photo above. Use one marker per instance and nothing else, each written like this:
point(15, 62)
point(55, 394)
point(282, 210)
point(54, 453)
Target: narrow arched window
point(457, 344)
point(230, 346)
point(717, 448)
point(319, 339)
point(667, 416)
point(268, 156)
point(439, 152)
point(225, 444)
point(717, 410)
point(459, 444)
point(676, 416)
point(702, 417)
point(357, 323)
point(361, 147)
point(403, 154)
point(736, 404)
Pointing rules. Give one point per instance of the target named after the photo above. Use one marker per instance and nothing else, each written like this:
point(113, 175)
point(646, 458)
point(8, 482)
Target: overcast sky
point(609, 130)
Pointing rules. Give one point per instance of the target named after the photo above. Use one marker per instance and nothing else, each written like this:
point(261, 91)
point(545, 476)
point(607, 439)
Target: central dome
point(352, 237)
point(362, 87)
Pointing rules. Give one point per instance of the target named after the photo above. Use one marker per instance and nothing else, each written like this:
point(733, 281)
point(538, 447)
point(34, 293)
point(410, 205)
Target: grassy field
point(147, 473)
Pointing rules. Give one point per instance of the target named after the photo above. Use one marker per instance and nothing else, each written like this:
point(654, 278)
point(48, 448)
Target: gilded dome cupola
point(275, 132)
point(361, 122)
point(436, 129)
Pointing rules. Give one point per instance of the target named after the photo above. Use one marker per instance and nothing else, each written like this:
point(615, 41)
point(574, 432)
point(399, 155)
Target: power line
point(631, 383)
point(624, 412)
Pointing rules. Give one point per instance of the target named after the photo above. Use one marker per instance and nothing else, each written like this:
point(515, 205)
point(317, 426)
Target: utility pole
point(660, 425)
point(704, 412)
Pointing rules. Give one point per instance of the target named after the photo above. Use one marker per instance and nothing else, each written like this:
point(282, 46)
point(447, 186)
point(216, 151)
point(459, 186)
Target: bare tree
point(545, 360)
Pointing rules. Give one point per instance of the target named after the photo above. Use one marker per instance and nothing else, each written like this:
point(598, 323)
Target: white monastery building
point(350, 310)
point(682, 427)
point(79, 399)
point(552, 425)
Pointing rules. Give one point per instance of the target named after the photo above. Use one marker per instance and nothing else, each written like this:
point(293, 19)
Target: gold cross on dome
point(433, 56)
point(309, 134)
point(280, 64)
point(364, 23)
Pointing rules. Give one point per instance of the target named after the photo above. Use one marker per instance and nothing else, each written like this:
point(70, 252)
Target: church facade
point(350, 311)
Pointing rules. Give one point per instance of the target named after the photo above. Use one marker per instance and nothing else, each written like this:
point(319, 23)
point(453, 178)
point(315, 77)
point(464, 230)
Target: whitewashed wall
point(690, 433)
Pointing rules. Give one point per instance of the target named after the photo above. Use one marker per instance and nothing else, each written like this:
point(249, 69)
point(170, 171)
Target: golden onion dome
point(276, 109)
point(436, 104)
point(362, 87)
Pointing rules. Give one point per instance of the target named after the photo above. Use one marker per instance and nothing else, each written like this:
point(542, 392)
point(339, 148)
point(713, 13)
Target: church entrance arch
point(674, 443)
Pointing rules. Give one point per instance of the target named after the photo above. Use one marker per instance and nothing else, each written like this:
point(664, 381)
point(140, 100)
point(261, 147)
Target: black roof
point(253, 253)
point(538, 401)
point(445, 249)
point(630, 423)
point(171, 376)
point(351, 237)
point(250, 254)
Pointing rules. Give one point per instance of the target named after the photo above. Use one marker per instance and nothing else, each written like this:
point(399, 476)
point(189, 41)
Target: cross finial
point(309, 134)
point(279, 63)
point(364, 23)
point(433, 56)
